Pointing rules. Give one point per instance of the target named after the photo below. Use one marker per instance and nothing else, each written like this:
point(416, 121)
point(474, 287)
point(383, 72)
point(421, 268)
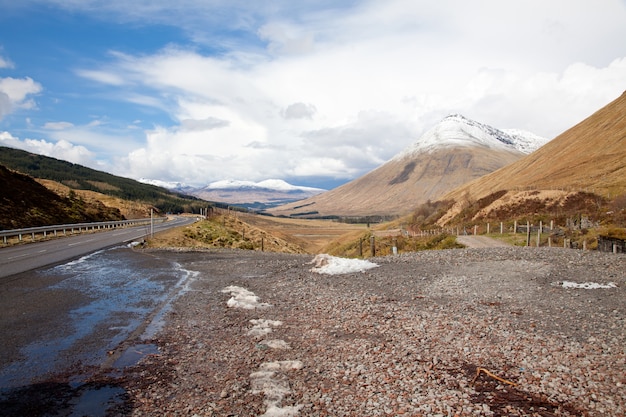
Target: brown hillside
point(400, 185)
point(590, 155)
point(129, 209)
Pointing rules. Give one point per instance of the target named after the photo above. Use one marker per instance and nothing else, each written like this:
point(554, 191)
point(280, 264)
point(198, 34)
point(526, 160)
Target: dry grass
point(250, 231)
point(129, 209)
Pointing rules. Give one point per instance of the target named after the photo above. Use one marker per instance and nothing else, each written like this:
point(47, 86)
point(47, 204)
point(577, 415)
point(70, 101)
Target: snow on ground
point(332, 265)
point(242, 298)
point(588, 285)
point(271, 379)
point(262, 327)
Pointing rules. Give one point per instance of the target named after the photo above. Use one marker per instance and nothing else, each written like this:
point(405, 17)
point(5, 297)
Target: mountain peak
point(456, 130)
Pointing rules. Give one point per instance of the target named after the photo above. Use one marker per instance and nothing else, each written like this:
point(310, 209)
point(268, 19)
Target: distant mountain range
point(249, 194)
point(453, 152)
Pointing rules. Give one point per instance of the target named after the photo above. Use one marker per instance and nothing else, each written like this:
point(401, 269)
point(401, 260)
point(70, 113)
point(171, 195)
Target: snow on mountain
point(270, 184)
point(170, 185)
point(525, 141)
point(458, 131)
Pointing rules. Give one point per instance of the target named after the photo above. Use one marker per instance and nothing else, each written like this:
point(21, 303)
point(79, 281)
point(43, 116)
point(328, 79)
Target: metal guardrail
point(74, 228)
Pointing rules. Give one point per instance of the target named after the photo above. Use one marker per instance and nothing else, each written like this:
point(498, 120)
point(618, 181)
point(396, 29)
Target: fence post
point(395, 246)
point(539, 235)
point(501, 227)
point(488, 228)
point(515, 227)
point(475, 229)
point(372, 246)
point(361, 247)
point(527, 233)
point(262, 245)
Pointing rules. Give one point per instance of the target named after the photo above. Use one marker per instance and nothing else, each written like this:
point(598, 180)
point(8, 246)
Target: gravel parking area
point(489, 332)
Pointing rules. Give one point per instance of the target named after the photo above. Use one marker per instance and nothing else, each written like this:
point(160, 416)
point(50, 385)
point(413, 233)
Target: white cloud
point(310, 90)
point(61, 149)
point(15, 92)
point(102, 77)
point(58, 125)
point(299, 111)
point(6, 63)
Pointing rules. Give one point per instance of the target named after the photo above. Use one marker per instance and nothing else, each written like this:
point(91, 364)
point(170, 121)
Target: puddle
point(97, 401)
point(134, 354)
point(68, 400)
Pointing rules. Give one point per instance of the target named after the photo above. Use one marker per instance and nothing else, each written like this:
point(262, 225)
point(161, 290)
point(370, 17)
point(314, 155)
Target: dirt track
point(471, 241)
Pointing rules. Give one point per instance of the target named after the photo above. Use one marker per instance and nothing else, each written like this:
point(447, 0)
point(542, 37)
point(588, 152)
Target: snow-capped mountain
point(271, 184)
point(459, 131)
point(453, 152)
point(263, 194)
point(260, 195)
point(170, 185)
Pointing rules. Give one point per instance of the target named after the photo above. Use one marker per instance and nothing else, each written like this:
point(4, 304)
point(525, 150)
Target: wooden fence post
point(395, 246)
point(501, 227)
point(527, 233)
point(372, 246)
point(361, 247)
point(539, 236)
point(515, 227)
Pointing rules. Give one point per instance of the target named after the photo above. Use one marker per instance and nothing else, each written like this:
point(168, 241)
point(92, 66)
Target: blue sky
point(313, 92)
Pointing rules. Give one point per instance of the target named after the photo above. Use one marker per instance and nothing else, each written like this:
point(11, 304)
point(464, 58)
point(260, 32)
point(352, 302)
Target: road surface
point(472, 241)
point(21, 258)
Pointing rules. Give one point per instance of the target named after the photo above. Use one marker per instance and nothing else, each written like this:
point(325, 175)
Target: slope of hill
point(589, 156)
point(26, 203)
point(453, 152)
point(79, 177)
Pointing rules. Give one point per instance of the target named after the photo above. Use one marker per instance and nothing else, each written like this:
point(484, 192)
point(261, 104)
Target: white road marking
point(80, 243)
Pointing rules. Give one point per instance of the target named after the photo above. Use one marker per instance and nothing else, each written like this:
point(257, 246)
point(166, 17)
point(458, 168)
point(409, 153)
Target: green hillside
point(26, 203)
point(79, 177)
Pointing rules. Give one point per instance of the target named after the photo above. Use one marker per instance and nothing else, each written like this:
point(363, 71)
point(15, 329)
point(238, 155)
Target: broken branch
point(487, 372)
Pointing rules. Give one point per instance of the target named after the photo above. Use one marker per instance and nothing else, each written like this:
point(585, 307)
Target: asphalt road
point(21, 258)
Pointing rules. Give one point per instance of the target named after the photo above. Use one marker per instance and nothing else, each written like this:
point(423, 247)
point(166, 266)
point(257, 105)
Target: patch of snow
point(242, 298)
point(275, 344)
point(332, 265)
point(271, 381)
point(588, 285)
point(261, 327)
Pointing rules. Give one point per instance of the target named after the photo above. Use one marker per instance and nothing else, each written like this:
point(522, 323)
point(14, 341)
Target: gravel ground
point(442, 333)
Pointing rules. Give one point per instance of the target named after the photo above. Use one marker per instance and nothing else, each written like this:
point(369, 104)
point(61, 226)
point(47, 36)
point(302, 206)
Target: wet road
point(73, 319)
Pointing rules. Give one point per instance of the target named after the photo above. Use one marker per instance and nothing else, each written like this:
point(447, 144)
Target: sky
point(314, 92)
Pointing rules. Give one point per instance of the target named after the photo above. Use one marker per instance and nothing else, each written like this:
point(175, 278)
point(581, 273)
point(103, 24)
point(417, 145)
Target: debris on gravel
point(494, 332)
